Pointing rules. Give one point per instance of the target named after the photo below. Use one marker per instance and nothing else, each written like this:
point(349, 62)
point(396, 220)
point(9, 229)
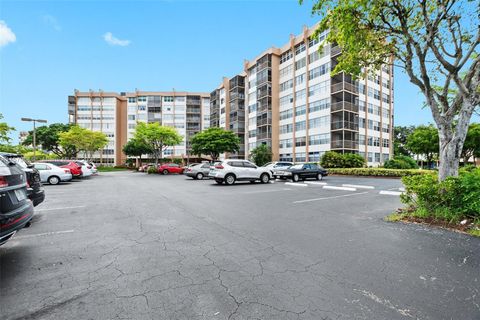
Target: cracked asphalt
point(134, 246)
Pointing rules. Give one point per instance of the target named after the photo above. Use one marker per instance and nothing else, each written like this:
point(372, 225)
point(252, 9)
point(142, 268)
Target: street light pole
point(34, 134)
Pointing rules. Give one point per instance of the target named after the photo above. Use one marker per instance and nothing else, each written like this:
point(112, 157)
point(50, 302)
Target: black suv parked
point(35, 190)
point(16, 210)
point(302, 172)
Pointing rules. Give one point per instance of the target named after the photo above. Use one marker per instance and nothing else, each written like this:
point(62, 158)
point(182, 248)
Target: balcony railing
point(335, 51)
point(344, 105)
point(193, 102)
point(344, 86)
point(344, 144)
point(263, 136)
point(340, 125)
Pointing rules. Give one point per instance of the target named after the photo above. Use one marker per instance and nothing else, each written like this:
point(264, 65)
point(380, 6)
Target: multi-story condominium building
point(296, 107)
point(227, 110)
point(117, 114)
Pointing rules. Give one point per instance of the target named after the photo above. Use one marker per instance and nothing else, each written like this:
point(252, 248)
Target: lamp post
point(34, 133)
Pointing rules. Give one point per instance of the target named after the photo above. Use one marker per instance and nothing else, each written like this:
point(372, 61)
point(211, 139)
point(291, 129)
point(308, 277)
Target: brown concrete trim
point(275, 108)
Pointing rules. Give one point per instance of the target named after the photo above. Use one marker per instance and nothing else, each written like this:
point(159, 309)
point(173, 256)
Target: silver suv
point(232, 170)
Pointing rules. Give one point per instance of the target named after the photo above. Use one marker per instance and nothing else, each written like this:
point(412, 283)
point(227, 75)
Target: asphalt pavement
point(128, 245)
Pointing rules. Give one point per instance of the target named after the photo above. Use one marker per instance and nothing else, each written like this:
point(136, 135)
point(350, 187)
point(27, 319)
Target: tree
point(157, 137)
point(424, 141)
point(48, 138)
point(471, 147)
point(261, 155)
point(400, 135)
point(4, 131)
point(83, 140)
point(434, 41)
point(214, 141)
point(136, 148)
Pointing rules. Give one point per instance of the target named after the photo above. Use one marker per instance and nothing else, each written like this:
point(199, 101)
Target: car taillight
point(67, 170)
point(218, 166)
point(28, 184)
point(3, 182)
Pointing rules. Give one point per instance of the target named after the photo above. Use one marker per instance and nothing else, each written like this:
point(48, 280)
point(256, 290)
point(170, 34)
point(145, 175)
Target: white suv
point(239, 170)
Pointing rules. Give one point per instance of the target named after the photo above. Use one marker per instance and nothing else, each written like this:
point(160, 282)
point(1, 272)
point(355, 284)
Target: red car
point(170, 168)
point(75, 169)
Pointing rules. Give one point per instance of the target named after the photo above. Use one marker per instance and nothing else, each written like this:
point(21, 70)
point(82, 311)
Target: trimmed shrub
point(401, 162)
point(452, 200)
point(378, 172)
point(332, 159)
point(152, 170)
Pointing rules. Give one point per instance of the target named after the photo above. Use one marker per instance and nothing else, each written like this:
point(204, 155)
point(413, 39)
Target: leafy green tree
point(136, 148)
point(424, 141)
point(157, 137)
point(332, 159)
point(434, 42)
point(261, 155)
point(353, 160)
point(214, 141)
point(471, 147)
point(400, 135)
point(83, 140)
point(4, 131)
point(48, 138)
point(401, 162)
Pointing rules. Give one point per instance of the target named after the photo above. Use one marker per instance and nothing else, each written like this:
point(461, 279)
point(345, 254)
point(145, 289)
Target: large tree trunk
point(451, 138)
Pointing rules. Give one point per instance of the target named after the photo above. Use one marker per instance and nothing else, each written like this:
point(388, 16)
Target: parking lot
point(129, 245)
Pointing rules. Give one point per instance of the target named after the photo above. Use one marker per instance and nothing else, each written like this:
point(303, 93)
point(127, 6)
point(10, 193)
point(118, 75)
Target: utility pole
point(34, 134)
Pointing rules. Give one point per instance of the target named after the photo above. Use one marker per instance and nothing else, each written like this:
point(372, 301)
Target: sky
point(50, 48)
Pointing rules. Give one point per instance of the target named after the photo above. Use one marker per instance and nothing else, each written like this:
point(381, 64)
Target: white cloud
point(6, 34)
point(112, 40)
point(52, 21)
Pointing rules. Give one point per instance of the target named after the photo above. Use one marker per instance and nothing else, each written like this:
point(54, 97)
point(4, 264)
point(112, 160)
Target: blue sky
point(149, 45)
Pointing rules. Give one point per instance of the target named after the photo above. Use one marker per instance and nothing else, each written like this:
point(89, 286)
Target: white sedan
point(52, 174)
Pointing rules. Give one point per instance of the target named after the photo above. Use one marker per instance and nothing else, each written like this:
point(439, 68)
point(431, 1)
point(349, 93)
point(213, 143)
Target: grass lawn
point(111, 169)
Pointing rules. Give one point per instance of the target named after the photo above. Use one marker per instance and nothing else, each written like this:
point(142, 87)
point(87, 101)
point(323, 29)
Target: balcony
point(344, 86)
point(344, 144)
point(344, 125)
point(263, 136)
point(344, 105)
point(335, 51)
point(194, 102)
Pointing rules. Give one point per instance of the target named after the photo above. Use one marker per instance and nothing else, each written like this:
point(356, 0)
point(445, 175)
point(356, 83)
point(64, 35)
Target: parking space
point(137, 246)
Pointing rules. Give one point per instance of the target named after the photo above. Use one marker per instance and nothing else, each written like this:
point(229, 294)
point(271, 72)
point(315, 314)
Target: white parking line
point(44, 234)
point(296, 184)
point(390, 193)
point(358, 186)
point(339, 188)
point(333, 197)
point(401, 189)
point(60, 208)
point(316, 183)
point(266, 191)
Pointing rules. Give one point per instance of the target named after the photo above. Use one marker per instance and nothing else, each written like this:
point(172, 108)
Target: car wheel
point(199, 176)
point(165, 171)
point(319, 176)
point(265, 178)
point(53, 180)
point(295, 178)
point(229, 179)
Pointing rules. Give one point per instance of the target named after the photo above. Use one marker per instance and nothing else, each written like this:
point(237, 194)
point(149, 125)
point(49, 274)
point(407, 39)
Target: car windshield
point(296, 166)
point(268, 164)
point(20, 161)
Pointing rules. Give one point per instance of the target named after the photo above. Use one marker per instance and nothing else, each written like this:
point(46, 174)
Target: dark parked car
point(16, 210)
point(302, 172)
point(35, 190)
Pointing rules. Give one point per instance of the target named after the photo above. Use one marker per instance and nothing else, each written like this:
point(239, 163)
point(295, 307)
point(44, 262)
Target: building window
point(287, 114)
point(300, 157)
point(321, 88)
point(285, 143)
point(131, 117)
point(377, 157)
point(361, 105)
point(301, 94)
point(286, 71)
point(318, 105)
point(287, 128)
point(300, 110)
point(315, 156)
point(252, 133)
point(385, 128)
point(385, 143)
point(319, 71)
point(312, 41)
point(286, 157)
point(300, 142)
point(301, 125)
point(300, 64)
point(286, 85)
point(132, 99)
point(167, 99)
point(361, 139)
point(252, 108)
point(286, 56)
point(386, 156)
point(300, 79)
point(319, 122)
point(142, 99)
point(299, 48)
point(318, 139)
point(286, 100)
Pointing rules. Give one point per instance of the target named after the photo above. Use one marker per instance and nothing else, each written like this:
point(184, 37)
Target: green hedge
point(332, 159)
point(452, 200)
point(378, 172)
point(401, 162)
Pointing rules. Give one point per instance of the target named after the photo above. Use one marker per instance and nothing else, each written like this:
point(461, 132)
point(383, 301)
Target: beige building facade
point(117, 115)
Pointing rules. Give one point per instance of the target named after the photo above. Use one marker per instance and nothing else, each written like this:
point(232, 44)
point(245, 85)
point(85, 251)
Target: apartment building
point(294, 105)
point(117, 114)
point(227, 110)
